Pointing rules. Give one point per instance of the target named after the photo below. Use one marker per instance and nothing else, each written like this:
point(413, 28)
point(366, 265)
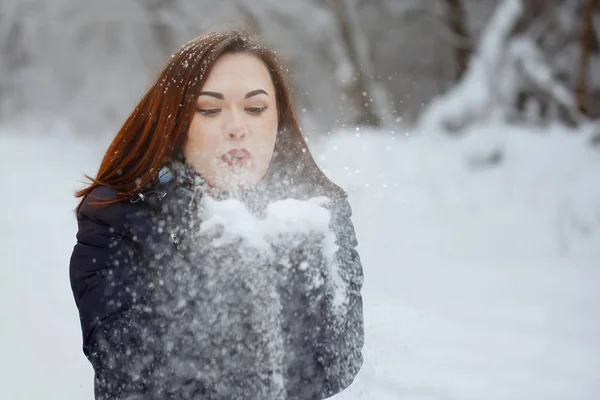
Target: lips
point(236, 157)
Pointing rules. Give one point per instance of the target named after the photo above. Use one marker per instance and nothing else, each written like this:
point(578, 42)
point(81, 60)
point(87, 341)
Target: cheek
point(267, 146)
point(200, 141)
point(267, 133)
point(269, 127)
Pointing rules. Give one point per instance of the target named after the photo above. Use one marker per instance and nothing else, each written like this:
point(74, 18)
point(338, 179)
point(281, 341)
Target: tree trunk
point(162, 31)
point(585, 43)
point(456, 17)
point(360, 90)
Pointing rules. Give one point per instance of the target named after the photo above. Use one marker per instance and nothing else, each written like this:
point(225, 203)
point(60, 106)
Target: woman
point(172, 304)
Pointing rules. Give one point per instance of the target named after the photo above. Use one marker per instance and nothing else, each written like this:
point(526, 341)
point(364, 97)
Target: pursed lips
point(236, 157)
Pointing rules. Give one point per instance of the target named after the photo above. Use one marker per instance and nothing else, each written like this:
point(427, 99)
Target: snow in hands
point(288, 224)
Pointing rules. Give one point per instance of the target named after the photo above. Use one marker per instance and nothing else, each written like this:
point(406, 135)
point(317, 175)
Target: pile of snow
point(287, 216)
point(536, 179)
point(481, 280)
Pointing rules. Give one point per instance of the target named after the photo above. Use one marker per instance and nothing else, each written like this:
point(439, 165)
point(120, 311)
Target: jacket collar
point(178, 182)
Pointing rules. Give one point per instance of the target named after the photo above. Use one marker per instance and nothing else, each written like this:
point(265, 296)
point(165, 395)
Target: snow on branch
point(505, 68)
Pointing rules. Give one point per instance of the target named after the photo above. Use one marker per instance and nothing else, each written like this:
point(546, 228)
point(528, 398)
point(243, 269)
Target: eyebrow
point(220, 96)
point(255, 92)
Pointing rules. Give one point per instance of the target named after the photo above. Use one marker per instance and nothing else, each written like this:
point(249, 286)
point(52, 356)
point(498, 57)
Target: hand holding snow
point(289, 224)
point(284, 218)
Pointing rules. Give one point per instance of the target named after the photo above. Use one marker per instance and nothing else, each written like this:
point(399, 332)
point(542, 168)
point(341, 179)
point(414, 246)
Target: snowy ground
point(479, 283)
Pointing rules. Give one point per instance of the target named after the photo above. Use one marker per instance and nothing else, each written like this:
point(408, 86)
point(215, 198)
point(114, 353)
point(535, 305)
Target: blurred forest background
point(365, 62)
point(466, 132)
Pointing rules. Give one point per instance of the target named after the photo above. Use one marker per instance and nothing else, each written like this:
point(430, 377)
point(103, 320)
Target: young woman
point(169, 309)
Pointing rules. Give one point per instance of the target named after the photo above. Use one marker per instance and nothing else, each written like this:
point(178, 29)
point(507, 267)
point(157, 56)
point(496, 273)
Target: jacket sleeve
point(110, 290)
point(340, 347)
point(326, 338)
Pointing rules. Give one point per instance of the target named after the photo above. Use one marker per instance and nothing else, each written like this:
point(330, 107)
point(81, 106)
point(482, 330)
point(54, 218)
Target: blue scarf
point(186, 180)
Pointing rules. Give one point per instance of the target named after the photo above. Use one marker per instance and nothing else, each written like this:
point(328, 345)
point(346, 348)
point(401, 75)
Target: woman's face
point(232, 134)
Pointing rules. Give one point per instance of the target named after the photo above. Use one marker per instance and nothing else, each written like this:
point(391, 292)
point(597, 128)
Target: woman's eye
point(210, 111)
point(256, 110)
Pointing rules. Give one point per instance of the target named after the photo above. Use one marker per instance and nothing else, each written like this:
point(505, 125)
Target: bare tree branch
point(347, 27)
point(162, 31)
point(456, 21)
point(441, 28)
point(585, 43)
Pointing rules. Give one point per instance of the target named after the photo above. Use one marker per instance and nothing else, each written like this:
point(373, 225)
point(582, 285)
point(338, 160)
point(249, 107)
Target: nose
point(236, 135)
point(236, 128)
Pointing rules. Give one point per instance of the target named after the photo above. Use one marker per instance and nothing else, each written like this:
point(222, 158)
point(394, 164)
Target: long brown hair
point(158, 125)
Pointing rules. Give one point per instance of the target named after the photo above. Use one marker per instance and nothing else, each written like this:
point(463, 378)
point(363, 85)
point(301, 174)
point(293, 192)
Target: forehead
point(241, 70)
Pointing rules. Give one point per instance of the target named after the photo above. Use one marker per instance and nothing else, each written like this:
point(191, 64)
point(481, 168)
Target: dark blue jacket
point(155, 327)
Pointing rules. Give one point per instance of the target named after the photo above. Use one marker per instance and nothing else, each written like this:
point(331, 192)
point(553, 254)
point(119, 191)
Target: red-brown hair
point(158, 125)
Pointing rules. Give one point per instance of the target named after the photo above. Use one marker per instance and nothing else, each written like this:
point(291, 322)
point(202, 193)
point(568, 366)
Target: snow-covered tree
point(523, 70)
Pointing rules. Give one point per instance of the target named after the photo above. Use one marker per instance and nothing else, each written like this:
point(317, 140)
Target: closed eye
point(256, 110)
point(209, 112)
